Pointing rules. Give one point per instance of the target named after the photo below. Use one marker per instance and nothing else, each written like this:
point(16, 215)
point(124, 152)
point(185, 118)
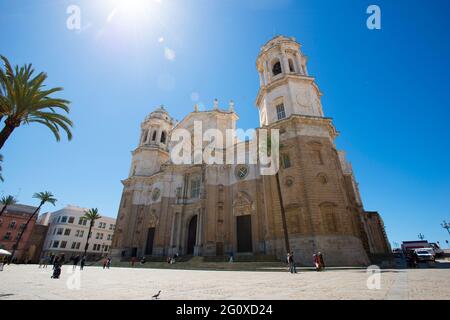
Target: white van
point(425, 254)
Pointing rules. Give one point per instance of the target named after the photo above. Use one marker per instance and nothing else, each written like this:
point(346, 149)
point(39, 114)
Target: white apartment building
point(68, 232)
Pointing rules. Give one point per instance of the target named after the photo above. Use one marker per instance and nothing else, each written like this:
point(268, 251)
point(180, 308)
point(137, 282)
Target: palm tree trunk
point(16, 245)
point(283, 214)
point(6, 132)
point(3, 210)
point(88, 236)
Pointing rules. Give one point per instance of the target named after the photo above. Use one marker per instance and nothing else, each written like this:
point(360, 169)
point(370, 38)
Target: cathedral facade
point(213, 210)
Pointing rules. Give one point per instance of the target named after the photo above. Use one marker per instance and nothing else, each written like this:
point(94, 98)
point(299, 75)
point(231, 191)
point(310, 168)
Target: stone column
point(299, 63)
point(298, 67)
point(197, 230)
point(199, 237)
point(264, 74)
point(268, 72)
point(178, 243)
point(261, 80)
point(285, 64)
point(149, 133)
point(172, 233)
point(306, 69)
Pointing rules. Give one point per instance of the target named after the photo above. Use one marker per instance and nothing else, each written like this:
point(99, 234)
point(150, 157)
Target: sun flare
point(133, 10)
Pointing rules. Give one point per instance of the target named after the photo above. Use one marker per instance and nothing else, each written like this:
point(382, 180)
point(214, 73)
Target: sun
point(133, 10)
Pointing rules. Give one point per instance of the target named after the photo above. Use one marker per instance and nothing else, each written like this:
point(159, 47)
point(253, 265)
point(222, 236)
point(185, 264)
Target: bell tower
point(285, 85)
point(153, 144)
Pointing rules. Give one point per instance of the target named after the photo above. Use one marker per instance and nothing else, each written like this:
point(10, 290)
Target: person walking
point(105, 263)
point(76, 259)
point(133, 261)
point(108, 262)
point(83, 261)
point(55, 262)
point(56, 270)
point(287, 261)
point(316, 261)
point(231, 257)
point(322, 263)
point(291, 261)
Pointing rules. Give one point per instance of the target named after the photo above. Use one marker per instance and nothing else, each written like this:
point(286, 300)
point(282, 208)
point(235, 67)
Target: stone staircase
point(243, 258)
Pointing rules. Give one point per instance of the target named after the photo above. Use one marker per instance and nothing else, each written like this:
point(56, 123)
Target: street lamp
point(421, 236)
point(446, 225)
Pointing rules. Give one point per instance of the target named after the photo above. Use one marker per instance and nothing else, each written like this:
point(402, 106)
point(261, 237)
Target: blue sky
point(387, 91)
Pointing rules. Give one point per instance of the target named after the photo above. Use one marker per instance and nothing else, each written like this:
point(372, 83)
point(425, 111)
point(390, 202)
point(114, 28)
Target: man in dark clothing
point(56, 271)
point(55, 262)
point(76, 259)
point(83, 261)
point(291, 261)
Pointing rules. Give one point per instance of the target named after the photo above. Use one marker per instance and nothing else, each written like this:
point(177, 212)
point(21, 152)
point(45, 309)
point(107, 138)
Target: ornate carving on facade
point(242, 204)
point(153, 220)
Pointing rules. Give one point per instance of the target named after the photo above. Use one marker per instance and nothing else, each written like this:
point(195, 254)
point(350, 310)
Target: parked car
point(424, 254)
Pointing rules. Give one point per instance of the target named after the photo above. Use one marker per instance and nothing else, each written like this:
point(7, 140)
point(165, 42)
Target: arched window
point(195, 188)
point(145, 136)
point(281, 113)
point(163, 137)
point(291, 65)
point(276, 69)
point(154, 136)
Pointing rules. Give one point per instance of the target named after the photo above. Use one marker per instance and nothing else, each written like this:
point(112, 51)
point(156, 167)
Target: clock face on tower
point(302, 100)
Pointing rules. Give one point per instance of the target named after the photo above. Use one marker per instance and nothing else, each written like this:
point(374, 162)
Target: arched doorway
point(244, 233)
point(192, 235)
point(150, 238)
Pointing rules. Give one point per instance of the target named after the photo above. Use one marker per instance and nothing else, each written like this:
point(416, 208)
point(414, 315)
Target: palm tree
point(7, 201)
point(90, 215)
point(280, 197)
point(44, 197)
point(24, 100)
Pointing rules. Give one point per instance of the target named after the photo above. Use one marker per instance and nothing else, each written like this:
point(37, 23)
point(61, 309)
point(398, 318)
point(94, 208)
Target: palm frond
point(45, 197)
point(91, 215)
point(8, 200)
point(24, 99)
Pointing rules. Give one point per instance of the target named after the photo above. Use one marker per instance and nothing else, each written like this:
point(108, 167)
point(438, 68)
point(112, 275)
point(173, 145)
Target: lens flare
point(133, 10)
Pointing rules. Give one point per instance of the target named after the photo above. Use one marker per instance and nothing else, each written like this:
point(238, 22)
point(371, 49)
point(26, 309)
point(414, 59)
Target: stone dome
point(159, 113)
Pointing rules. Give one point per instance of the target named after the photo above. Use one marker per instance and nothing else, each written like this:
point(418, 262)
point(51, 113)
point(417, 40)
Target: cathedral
point(311, 205)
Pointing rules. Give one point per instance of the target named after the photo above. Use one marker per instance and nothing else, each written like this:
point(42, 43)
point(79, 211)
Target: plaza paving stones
point(31, 282)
